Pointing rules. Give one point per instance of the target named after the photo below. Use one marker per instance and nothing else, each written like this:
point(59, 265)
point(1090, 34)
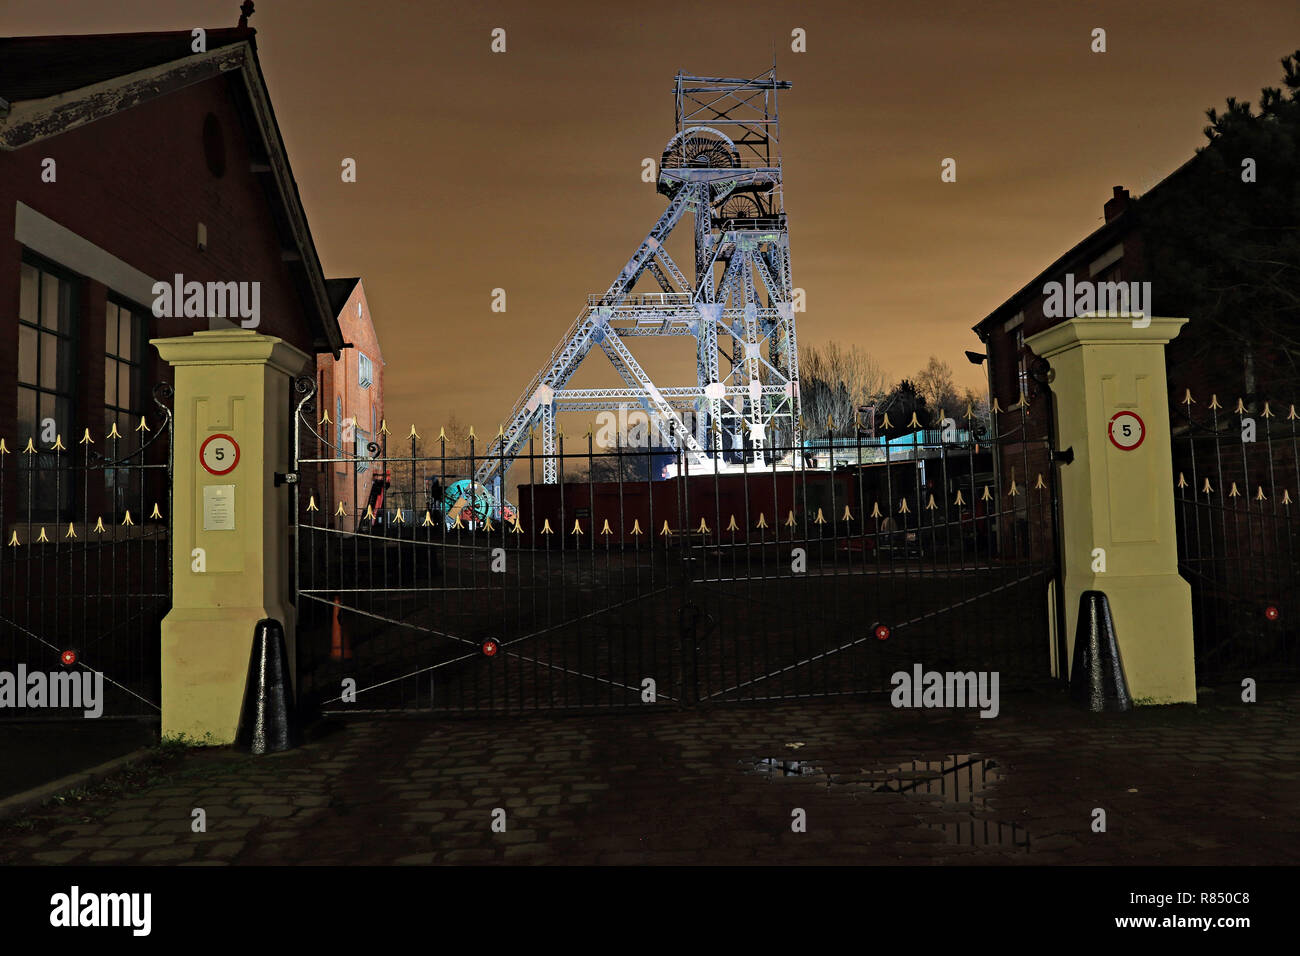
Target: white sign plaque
point(218, 507)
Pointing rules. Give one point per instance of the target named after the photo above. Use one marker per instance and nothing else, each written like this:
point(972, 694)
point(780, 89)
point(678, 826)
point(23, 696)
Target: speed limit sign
point(1127, 430)
point(219, 454)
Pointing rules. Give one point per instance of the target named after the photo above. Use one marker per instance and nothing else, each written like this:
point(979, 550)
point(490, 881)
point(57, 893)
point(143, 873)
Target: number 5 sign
point(1127, 430)
point(219, 454)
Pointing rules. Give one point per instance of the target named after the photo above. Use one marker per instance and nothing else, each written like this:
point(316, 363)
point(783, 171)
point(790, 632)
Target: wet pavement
point(847, 780)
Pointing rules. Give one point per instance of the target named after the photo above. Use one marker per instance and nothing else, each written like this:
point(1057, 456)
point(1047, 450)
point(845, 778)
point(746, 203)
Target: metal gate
point(1236, 474)
point(786, 573)
point(85, 566)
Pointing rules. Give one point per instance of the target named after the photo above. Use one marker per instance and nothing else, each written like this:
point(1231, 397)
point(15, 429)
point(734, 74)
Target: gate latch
point(286, 478)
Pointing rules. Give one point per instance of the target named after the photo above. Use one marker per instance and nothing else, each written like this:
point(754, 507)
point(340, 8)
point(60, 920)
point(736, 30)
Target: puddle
point(774, 767)
point(960, 782)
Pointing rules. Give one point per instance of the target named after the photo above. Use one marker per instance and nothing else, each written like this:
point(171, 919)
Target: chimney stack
point(1116, 204)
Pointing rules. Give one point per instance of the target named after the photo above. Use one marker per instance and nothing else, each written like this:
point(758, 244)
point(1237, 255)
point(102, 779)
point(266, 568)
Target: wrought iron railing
point(1236, 486)
point(85, 565)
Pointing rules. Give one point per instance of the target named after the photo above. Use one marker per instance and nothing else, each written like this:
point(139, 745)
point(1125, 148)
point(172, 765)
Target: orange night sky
point(522, 170)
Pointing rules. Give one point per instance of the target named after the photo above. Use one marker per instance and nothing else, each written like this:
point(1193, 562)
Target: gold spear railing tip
point(885, 423)
point(4, 449)
point(1214, 401)
point(820, 519)
point(42, 536)
point(577, 527)
point(914, 423)
point(875, 510)
point(959, 499)
point(428, 520)
point(31, 447)
point(113, 432)
point(1240, 409)
point(903, 509)
point(666, 532)
point(413, 433)
point(762, 520)
point(1260, 496)
point(731, 525)
point(1267, 412)
point(99, 525)
point(126, 521)
point(1182, 482)
point(72, 531)
point(143, 426)
point(442, 433)
point(13, 539)
point(1232, 492)
point(1207, 489)
point(340, 512)
point(58, 443)
point(605, 528)
point(848, 515)
point(703, 528)
point(156, 513)
point(970, 411)
point(1187, 398)
point(1040, 484)
point(325, 419)
point(789, 521)
point(636, 526)
point(546, 526)
point(930, 505)
point(311, 502)
point(383, 427)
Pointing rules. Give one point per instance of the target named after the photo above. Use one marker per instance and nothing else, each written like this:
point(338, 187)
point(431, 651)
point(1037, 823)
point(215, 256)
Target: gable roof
point(32, 68)
point(1100, 238)
point(340, 290)
point(49, 85)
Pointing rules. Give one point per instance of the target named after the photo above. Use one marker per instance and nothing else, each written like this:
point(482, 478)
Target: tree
point(934, 383)
point(900, 405)
point(834, 381)
point(1221, 241)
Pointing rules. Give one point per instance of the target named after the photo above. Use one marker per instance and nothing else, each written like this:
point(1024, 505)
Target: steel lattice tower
point(723, 166)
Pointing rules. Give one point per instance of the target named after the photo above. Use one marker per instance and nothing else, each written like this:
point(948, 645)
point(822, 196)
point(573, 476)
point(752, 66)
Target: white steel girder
point(759, 391)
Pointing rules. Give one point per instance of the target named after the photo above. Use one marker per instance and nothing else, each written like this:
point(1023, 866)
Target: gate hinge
point(1065, 457)
point(286, 478)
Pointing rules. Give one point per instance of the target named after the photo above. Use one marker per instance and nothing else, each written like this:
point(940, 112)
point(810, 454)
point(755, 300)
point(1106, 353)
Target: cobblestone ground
point(1216, 784)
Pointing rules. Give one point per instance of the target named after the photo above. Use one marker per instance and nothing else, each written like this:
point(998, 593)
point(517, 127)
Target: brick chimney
point(1116, 204)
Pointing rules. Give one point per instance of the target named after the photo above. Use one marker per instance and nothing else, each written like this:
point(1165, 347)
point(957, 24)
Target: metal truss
point(723, 166)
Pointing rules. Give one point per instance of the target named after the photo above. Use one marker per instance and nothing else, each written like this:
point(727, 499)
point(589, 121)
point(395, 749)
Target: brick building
point(125, 160)
point(351, 390)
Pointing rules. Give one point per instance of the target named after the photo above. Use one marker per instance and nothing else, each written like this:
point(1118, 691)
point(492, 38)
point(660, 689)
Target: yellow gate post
point(230, 527)
point(1117, 496)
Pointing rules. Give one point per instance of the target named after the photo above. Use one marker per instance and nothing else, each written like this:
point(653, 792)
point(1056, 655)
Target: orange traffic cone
point(340, 643)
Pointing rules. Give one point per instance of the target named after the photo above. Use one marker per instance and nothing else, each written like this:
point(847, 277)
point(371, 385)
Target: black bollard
point(267, 722)
point(1097, 678)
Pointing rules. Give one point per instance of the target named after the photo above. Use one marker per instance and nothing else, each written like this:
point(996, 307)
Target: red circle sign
point(1127, 430)
point(219, 454)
